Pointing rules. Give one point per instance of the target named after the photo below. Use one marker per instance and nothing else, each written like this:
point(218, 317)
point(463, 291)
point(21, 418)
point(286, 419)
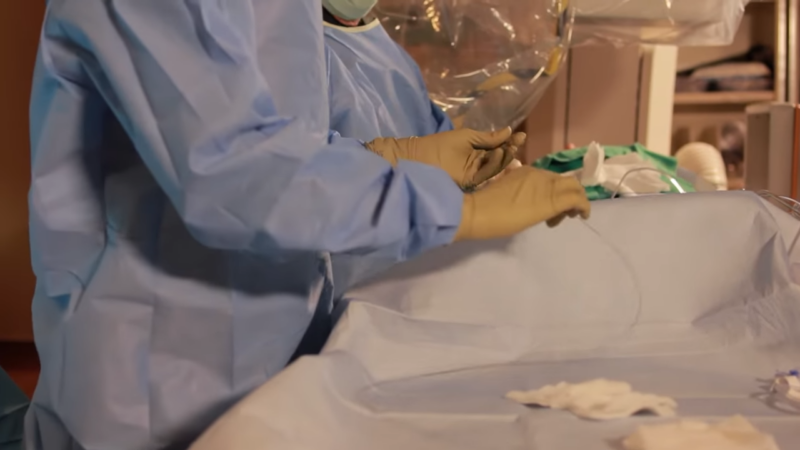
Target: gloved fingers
point(556, 221)
point(474, 169)
point(513, 165)
point(577, 203)
point(574, 201)
point(518, 139)
point(509, 155)
point(492, 163)
point(583, 211)
point(573, 213)
point(569, 195)
point(481, 140)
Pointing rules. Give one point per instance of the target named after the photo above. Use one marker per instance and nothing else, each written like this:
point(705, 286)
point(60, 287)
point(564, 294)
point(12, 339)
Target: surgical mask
point(349, 9)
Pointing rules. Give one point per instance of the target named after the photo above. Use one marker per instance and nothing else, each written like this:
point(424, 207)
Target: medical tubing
point(629, 267)
point(790, 205)
point(672, 179)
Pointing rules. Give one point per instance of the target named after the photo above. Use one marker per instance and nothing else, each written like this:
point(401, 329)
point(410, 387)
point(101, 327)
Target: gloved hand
point(522, 198)
point(555, 221)
point(514, 164)
point(470, 157)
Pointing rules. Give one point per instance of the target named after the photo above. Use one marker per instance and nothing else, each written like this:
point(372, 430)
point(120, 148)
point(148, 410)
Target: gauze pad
point(596, 400)
point(735, 433)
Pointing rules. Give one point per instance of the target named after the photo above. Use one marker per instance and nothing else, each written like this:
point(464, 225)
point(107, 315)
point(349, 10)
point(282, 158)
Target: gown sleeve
point(225, 103)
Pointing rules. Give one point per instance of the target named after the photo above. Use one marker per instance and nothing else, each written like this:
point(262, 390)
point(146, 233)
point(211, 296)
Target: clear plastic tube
point(629, 267)
point(672, 180)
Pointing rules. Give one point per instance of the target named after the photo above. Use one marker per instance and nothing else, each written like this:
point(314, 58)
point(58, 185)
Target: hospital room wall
point(615, 96)
point(19, 31)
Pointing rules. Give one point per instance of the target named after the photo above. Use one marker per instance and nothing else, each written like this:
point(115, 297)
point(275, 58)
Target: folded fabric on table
point(597, 400)
point(736, 433)
point(604, 170)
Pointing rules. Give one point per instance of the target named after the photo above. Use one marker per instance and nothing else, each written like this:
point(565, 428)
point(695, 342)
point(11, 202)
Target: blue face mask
point(349, 9)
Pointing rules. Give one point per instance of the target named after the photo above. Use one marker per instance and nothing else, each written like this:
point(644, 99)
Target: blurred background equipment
point(772, 150)
point(715, 85)
point(705, 161)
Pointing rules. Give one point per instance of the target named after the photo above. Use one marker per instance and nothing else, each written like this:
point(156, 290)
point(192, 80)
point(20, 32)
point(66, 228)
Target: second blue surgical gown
point(186, 192)
point(376, 90)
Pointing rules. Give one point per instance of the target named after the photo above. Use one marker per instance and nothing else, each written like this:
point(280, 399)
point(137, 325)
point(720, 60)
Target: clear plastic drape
point(488, 62)
point(674, 22)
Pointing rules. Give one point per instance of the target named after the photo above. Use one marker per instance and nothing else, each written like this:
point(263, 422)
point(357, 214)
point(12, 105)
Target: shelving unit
point(699, 116)
point(723, 98)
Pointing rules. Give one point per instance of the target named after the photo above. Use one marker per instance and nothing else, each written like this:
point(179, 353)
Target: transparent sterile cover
point(488, 62)
point(485, 62)
point(674, 22)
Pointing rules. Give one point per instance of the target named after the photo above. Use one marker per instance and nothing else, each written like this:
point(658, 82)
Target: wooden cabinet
point(615, 96)
point(20, 23)
point(593, 98)
point(701, 116)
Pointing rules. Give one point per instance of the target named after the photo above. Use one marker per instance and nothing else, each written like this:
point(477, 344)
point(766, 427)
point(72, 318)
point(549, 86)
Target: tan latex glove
point(521, 199)
point(555, 221)
point(515, 164)
point(470, 157)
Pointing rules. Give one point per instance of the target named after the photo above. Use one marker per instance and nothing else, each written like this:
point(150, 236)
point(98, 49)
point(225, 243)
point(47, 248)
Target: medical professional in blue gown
point(376, 88)
point(186, 194)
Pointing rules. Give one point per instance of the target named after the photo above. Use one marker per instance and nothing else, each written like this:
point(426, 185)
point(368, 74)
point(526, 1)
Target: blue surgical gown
point(375, 90)
point(186, 193)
